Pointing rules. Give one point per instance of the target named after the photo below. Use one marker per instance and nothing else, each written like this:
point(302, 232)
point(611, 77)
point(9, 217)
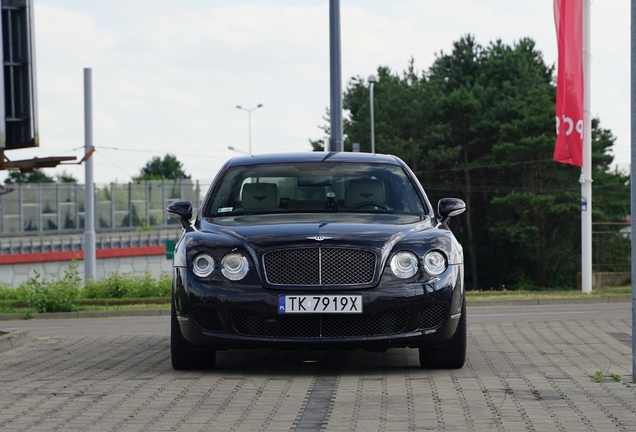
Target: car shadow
point(308, 362)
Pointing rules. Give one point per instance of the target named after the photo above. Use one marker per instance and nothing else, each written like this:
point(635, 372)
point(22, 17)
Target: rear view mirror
point(314, 181)
point(449, 207)
point(181, 210)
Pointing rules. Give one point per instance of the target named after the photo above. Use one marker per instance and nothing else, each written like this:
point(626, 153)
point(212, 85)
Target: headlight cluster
point(203, 265)
point(234, 266)
point(405, 264)
point(434, 263)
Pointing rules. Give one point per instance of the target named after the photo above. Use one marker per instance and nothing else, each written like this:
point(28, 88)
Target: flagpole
point(586, 169)
point(632, 170)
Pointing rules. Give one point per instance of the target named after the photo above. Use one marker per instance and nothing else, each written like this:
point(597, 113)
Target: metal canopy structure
point(18, 95)
point(28, 165)
point(20, 126)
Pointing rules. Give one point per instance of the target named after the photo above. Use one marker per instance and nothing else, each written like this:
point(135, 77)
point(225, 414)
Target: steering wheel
point(370, 203)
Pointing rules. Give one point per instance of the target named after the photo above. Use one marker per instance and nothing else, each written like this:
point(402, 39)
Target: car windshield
point(314, 188)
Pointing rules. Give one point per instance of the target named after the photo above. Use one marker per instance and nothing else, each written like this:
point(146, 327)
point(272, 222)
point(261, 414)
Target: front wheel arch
point(452, 353)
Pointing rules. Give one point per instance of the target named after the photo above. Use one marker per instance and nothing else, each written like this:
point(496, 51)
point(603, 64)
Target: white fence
point(33, 208)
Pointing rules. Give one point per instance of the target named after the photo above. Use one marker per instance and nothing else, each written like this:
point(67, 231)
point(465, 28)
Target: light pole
point(235, 149)
point(335, 78)
point(372, 80)
point(249, 122)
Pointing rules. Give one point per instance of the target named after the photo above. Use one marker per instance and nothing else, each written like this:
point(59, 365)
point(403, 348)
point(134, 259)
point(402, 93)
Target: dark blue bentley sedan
point(317, 250)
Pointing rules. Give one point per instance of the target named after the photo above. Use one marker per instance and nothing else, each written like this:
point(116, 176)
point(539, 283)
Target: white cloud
point(167, 79)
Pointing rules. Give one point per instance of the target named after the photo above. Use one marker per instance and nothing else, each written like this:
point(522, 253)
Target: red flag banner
point(568, 18)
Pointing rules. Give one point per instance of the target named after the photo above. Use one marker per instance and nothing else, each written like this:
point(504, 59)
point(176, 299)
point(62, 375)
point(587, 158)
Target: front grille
point(432, 317)
point(319, 266)
point(207, 319)
point(311, 326)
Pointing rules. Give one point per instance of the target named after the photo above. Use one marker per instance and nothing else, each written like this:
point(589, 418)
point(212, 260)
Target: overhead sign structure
point(19, 128)
point(18, 95)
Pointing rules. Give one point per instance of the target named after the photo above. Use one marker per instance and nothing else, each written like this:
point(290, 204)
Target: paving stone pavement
point(530, 376)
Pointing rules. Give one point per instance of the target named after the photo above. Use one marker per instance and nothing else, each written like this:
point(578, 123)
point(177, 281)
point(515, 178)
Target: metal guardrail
point(58, 243)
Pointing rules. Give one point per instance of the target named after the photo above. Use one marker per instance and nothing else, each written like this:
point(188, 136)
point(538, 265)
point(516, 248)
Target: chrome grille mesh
point(319, 266)
point(293, 266)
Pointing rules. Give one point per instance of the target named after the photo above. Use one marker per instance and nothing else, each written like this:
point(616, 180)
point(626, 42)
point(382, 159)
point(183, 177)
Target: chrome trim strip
point(319, 266)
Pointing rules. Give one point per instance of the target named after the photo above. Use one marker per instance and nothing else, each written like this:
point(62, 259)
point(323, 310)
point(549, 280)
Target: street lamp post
point(372, 80)
point(235, 149)
point(249, 122)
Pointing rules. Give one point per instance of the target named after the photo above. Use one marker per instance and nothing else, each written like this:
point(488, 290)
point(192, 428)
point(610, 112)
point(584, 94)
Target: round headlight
point(434, 263)
point(404, 264)
point(234, 266)
point(203, 265)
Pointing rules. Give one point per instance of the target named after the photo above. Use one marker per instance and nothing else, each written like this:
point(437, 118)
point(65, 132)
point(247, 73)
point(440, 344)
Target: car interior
point(375, 191)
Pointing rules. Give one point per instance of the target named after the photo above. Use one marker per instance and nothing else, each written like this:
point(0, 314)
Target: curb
point(97, 314)
point(539, 302)
point(13, 340)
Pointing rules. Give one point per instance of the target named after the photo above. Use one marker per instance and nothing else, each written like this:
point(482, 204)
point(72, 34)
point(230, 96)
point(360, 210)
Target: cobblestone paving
point(519, 377)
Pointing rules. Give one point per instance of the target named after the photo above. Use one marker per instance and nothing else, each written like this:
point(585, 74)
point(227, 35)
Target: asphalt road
point(528, 368)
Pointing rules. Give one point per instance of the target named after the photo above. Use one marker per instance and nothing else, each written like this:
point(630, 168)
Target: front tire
point(451, 354)
point(184, 356)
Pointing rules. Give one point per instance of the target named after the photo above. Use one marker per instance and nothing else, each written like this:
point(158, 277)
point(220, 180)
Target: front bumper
point(227, 316)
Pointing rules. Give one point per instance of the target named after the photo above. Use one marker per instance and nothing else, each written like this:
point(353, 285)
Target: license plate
point(319, 304)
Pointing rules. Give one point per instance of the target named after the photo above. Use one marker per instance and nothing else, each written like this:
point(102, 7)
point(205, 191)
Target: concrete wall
point(606, 279)
point(14, 274)
point(603, 279)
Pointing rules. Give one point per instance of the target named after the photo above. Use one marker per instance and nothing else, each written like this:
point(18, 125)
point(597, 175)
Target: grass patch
point(69, 293)
point(110, 307)
point(52, 295)
point(123, 307)
point(117, 285)
point(601, 375)
point(14, 310)
point(476, 296)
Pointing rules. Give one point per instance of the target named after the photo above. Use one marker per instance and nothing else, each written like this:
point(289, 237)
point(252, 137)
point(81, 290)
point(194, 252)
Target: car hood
point(263, 232)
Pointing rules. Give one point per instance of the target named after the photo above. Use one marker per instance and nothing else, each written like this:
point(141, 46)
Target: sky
point(167, 76)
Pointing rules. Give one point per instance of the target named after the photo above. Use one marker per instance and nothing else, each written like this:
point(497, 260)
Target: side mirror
point(181, 210)
point(449, 207)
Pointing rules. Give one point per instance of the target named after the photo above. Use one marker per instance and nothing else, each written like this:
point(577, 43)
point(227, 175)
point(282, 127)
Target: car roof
point(315, 157)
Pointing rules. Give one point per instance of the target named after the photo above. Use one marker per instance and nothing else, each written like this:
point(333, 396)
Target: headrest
point(364, 190)
point(260, 196)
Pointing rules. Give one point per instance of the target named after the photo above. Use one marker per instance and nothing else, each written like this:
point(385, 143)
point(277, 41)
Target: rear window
point(314, 188)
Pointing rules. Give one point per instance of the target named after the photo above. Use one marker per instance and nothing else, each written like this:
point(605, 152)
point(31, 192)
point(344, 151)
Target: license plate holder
point(320, 303)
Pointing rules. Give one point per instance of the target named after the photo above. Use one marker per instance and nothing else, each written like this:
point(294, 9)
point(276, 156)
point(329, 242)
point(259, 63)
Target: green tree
point(479, 125)
point(35, 176)
point(168, 168)
point(319, 144)
point(65, 177)
point(497, 107)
